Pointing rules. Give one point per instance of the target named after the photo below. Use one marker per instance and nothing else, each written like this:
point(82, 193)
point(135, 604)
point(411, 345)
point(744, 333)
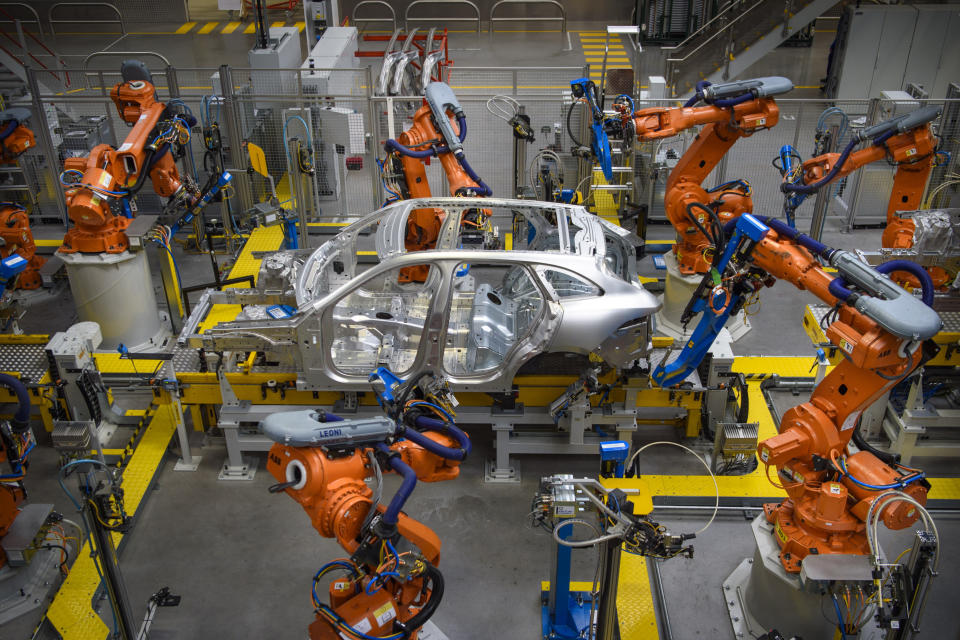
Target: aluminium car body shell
point(617, 328)
point(390, 222)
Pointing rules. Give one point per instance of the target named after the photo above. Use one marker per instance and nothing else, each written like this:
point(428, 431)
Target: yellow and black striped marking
point(226, 28)
point(593, 43)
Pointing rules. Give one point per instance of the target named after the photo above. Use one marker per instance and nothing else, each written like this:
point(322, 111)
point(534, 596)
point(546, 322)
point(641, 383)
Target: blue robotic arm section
point(715, 302)
point(204, 199)
point(10, 268)
point(599, 141)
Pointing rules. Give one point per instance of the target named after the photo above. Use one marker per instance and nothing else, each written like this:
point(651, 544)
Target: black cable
point(718, 239)
point(66, 552)
point(425, 613)
point(569, 130)
point(721, 236)
point(743, 414)
point(863, 445)
point(693, 218)
point(145, 166)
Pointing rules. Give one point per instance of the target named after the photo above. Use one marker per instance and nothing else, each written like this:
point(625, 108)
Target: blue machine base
point(579, 616)
point(659, 262)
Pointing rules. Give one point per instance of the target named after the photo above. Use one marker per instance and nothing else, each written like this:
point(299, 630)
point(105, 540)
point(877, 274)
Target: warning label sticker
point(385, 614)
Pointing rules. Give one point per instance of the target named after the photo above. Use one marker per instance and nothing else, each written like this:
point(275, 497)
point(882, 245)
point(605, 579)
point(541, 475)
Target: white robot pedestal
point(678, 289)
point(760, 595)
point(115, 291)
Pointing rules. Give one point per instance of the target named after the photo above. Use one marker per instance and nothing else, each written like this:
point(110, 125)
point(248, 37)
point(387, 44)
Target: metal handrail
point(706, 24)
point(54, 7)
point(407, 19)
point(166, 63)
point(562, 17)
point(718, 33)
point(23, 5)
point(393, 14)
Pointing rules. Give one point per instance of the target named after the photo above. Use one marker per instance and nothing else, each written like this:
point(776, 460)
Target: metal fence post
point(822, 202)
point(872, 113)
point(23, 41)
point(374, 117)
point(796, 128)
point(232, 120)
point(46, 141)
point(173, 88)
point(519, 160)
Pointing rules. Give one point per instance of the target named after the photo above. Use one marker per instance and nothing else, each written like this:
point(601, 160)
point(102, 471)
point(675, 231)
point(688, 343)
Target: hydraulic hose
point(838, 287)
point(435, 447)
point(395, 145)
point(484, 189)
point(787, 187)
point(392, 513)
point(10, 128)
point(695, 98)
point(21, 419)
point(732, 102)
point(430, 607)
point(926, 282)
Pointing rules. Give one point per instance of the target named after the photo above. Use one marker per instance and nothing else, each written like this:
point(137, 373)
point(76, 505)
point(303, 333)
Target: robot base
point(760, 595)
point(116, 292)
point(23, 589)
point(578, 616)
point(678, 289)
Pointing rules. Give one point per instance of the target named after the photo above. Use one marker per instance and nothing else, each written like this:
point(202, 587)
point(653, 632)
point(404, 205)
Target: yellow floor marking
point(230, 27)
point(277, 24)
point(261, 239)
point(70, 612)
point(300, 26)
point(207, 28)
point(810, 86)
point(251, 28)
point(636, 615)
point(185, 28)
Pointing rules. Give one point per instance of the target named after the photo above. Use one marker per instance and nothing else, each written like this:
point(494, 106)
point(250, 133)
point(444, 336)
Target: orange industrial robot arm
point(16, 443)
point(322, 461)
point(438, 130)
point(830, 490)
point(883, 333)
point(15, 136)
point(733, 111)
point(107, 173)
point(907, 142)
point(16, 237)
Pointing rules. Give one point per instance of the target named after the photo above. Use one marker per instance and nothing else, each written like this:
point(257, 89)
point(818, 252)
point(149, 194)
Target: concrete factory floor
point(243, 558)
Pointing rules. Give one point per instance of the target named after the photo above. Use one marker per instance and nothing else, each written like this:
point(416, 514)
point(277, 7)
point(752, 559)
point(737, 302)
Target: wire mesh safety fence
point(331, 111)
